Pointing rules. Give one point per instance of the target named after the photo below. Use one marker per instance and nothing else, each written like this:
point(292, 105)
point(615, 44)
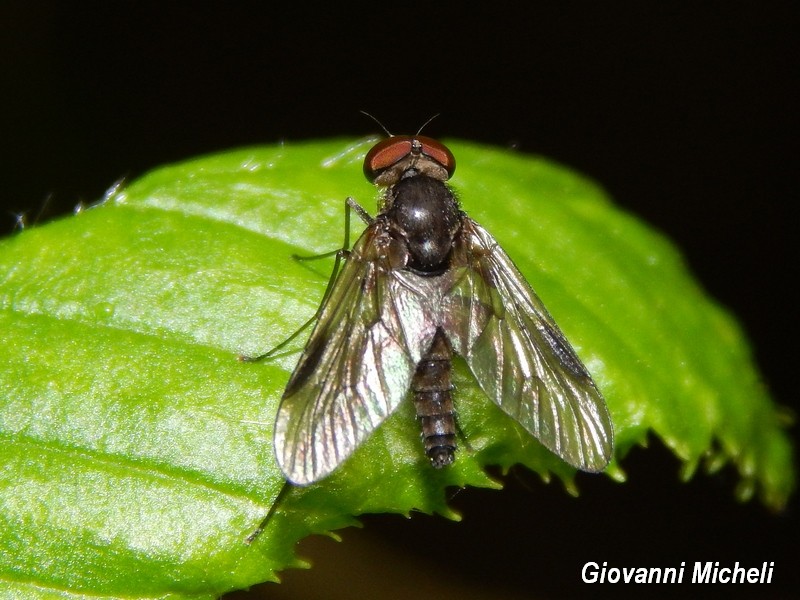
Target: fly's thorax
point(424, 214)
point(385, 249)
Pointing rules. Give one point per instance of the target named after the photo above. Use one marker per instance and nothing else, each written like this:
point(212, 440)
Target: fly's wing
point(354, 371)
point(520, 357)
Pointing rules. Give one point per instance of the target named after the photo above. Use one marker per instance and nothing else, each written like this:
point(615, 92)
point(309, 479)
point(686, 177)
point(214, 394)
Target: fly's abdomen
point(431, 386)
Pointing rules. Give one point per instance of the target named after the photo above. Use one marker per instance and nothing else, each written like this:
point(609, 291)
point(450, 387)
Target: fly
point(422, 282)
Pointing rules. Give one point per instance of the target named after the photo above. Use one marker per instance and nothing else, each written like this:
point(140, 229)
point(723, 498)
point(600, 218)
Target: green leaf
point(134, 441)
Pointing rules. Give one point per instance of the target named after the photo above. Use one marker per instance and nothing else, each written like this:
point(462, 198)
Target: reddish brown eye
point(390, 151)
point(438, 152)
point(386, 153)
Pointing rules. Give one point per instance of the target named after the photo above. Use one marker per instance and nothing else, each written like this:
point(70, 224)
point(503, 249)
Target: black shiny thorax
point(423, 213)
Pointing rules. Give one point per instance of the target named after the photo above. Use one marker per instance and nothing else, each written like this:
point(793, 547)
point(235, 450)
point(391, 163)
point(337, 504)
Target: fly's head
point(419, 209)
point(401, 156)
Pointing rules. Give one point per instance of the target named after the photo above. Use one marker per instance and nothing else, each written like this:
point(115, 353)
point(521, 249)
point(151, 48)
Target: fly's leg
point(349, 205)
point(275, 505)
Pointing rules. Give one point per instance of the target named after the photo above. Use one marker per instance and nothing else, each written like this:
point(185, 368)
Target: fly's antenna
point(381, 125)
point(389, 133)
point(425, 124)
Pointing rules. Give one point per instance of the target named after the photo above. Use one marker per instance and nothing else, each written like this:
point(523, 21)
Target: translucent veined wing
point(357, 365)
point(520, 357)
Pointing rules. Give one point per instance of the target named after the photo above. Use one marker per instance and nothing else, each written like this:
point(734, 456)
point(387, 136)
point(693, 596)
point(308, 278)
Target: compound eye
point(386, 153)
point(437, 151)
point(391, 151)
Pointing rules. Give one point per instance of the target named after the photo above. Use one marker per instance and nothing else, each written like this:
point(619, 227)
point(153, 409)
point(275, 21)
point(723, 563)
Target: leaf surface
point(134, 441)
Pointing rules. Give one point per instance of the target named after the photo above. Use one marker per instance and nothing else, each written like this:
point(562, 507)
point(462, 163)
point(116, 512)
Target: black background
point(686, 113)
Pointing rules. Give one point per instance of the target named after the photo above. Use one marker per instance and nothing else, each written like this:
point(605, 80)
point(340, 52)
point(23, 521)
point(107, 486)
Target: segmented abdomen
point(431, 386)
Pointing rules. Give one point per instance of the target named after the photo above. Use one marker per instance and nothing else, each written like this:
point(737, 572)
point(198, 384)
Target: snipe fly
point(422, 282)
